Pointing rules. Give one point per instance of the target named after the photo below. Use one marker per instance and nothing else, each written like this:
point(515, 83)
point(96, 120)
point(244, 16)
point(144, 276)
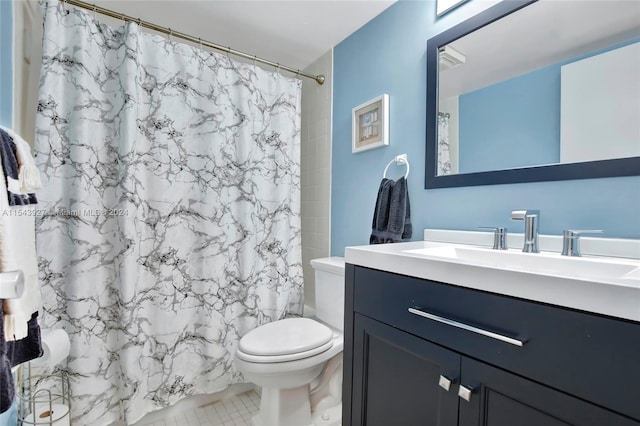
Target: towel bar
point(399, 160)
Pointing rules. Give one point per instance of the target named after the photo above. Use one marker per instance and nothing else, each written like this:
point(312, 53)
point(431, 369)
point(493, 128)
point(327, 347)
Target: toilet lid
point(287, 336)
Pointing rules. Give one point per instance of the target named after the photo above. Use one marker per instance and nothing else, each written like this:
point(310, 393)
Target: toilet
point(298, 361)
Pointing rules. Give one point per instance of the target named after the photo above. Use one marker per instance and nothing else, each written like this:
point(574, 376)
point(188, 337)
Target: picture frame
point(370, 124)
point(444, 6)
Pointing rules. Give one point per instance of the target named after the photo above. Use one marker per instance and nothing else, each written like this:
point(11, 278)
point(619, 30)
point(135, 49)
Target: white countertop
point(613, 297)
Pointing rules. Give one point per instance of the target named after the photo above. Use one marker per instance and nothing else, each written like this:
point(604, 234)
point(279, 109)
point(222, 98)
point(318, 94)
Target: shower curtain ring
point(170, 34)
point(139, 22)
point(94, 11)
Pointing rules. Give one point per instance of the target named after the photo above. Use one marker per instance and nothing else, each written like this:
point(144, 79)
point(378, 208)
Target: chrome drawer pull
point(444, 382)
point(467, 327)
point(465, 393)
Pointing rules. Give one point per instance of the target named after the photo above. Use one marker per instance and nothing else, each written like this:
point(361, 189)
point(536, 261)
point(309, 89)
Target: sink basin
point(540, 263)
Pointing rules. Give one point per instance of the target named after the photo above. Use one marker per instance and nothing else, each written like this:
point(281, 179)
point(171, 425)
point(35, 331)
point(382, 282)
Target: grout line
point(235, 411)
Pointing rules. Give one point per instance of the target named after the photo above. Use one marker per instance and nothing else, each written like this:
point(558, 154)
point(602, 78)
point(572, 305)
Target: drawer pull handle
point(465, 393)
point(467, 327)
point(445, 383)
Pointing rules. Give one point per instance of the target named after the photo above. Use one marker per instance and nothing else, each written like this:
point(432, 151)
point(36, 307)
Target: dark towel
point(11, 167)
point(7, 385)
point(29, 348)
point(392, 215)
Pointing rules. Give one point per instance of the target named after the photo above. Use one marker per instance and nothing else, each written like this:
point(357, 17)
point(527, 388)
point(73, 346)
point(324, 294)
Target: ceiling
point(292, 33)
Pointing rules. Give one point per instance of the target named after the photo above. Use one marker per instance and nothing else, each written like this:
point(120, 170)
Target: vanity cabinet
point(399, 376)
point(523, 363)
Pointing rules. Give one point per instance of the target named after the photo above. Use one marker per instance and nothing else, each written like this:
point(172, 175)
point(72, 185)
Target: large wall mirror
point(532, 91)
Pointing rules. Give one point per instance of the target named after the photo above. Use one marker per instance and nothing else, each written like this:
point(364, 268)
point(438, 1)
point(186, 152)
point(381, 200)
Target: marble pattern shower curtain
point(171, 222)
point(444, 153)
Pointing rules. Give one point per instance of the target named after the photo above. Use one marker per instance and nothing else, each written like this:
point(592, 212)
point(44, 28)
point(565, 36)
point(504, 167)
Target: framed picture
point(444, 6)
point(370, 124)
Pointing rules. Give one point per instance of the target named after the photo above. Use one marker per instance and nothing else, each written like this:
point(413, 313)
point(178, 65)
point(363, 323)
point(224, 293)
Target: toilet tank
point(329, 273)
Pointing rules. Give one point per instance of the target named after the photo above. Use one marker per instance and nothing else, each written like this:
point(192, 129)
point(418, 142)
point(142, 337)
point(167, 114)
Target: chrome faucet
point(531, 219)
point(571, 240)
point(499, 237)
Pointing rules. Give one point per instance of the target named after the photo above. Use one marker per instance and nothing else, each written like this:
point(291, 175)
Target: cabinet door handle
point(465, 393)
point(468, 327)
point(444, 382)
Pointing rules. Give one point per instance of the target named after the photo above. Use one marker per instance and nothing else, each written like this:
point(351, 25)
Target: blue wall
point(387, 55)
point(6, 62)
point(496, 115)
point(506, 118)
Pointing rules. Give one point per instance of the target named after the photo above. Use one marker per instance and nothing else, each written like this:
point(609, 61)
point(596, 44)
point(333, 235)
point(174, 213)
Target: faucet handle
point(576, 232)
point(571, 239)
point(499, 236)
point(522, 214)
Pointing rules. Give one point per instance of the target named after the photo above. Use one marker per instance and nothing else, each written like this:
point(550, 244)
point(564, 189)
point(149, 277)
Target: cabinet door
point(500, 398)
point(396, 378)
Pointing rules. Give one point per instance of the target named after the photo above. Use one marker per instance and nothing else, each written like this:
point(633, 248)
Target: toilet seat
point(270, 359)
point(285, 340)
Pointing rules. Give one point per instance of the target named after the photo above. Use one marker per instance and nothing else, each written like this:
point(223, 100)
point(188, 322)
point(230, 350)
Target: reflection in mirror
point(552, 83)
point(544, 94)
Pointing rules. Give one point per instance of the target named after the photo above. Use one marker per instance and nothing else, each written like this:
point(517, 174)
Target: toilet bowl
point(298, 361)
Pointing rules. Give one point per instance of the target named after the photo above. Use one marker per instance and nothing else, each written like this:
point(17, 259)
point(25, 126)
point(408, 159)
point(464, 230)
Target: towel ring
point(399, 160)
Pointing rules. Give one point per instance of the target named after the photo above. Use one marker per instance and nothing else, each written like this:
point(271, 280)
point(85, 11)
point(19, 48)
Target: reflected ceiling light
point(450, 58)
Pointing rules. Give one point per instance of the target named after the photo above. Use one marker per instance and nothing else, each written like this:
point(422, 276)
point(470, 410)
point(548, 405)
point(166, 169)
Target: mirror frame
point(584, 170)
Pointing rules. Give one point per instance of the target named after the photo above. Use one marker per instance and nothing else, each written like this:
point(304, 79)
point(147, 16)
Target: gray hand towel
point(8, 153)
point(408, 228)
point(29, 348)
point(392, 215)
point(7, 386)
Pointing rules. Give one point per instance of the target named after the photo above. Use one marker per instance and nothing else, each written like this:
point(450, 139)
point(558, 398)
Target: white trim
point(444, 6)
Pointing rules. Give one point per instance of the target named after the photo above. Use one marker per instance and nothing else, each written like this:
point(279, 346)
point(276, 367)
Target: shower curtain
point(170, 211)
point(444, 154)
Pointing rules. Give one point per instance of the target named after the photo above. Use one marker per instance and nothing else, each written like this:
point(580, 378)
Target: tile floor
point(234, 411)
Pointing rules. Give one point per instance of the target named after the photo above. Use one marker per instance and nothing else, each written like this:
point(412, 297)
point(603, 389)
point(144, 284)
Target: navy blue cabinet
point(398, 375)
point(501, 398)
point(513, 363)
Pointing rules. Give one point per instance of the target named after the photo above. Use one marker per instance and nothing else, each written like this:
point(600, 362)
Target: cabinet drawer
point(590, 356)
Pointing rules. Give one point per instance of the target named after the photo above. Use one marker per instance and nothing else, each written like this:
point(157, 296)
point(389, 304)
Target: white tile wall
point(316, 169)
point(27, 51)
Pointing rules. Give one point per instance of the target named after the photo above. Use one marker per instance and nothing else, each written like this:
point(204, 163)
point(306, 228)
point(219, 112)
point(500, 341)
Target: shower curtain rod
point(165, 30)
